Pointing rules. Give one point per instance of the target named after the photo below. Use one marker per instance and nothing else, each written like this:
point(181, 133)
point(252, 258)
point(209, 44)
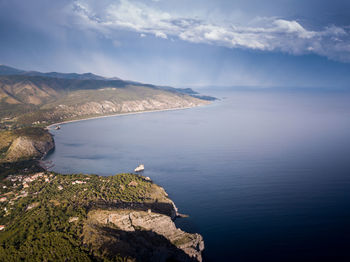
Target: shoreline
point(49, 127)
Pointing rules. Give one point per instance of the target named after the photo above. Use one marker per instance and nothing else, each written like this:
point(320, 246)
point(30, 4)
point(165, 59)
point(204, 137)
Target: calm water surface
point(264, 176)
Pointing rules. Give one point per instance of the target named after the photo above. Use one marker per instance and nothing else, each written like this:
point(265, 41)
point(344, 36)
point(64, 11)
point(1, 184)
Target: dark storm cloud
point(259, 33)
point(181, 41)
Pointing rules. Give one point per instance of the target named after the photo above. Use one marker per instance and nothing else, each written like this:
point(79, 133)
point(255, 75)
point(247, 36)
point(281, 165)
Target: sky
point(183, 43)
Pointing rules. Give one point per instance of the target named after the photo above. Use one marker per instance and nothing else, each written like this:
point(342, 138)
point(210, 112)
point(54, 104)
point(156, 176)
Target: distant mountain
point(10, 71)
point(6, 70)
point(38, 90)
point(85, 76)
point(34, 98)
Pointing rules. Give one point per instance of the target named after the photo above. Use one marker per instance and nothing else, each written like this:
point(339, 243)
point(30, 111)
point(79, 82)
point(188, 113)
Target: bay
point(264, 175)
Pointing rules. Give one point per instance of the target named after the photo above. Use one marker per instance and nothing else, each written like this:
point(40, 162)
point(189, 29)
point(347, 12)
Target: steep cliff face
point(115, 106)
point(156, 103)
point(151, 236)
point(29, 146)
point(81, 217)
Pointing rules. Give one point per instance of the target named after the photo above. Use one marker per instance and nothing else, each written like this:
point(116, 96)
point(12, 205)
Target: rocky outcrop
point(158, 239)
point(141, 231)
point(28, 148)
point(158, 102)
point(154, 198)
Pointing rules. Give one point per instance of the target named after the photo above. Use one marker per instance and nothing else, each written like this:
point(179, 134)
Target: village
point(15, 187)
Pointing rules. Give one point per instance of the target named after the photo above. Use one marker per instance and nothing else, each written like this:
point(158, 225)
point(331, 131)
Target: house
point(78, 182)
point(133, 184)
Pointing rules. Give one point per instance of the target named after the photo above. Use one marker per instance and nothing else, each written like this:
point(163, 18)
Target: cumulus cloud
point(161, 35)
point(265, 34)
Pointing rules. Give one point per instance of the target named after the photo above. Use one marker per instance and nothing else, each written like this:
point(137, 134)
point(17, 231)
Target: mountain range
point(36, 98)
point(6, 70)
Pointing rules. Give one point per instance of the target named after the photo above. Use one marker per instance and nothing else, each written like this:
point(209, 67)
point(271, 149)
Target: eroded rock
point(146, 227)
point(25, 148)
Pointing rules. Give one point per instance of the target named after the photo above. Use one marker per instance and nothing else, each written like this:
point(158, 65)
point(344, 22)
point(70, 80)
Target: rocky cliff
point(29, 143)
point(26, 148)
point(126, 217)
point(114, 105)
point(146, 235)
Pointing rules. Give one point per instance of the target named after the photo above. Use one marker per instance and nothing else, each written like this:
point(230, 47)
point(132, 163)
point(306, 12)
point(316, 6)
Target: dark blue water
point(264, 176)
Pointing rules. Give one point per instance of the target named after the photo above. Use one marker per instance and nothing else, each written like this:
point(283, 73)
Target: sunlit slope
point(41, 100)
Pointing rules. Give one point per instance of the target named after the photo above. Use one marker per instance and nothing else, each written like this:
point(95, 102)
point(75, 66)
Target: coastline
point(49, 127)
point(157, 215)
point(175, 214)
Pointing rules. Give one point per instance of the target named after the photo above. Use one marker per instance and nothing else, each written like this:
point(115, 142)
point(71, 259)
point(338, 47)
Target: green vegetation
point(36, 133)
point(44, 213)
point(23, 167)
point(6, 138)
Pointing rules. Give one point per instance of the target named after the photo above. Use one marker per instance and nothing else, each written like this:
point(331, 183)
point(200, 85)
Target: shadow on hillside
point(157, 207)
point(22, 167)
point(140, 245)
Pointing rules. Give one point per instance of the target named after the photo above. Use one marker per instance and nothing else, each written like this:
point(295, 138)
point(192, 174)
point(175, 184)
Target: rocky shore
point(152, 236)
point(30, 143)
point(26, 148)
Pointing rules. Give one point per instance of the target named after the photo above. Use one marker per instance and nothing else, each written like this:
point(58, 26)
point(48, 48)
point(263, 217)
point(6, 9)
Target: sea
point(264, 174)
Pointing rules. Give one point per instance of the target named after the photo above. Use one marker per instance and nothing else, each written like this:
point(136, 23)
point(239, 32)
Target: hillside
point(27, 100)
point(50, 217)
point(29, 143)
point(6, 70)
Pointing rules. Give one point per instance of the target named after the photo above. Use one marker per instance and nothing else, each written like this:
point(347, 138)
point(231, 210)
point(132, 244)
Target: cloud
point(161, 35)
point(265, 34)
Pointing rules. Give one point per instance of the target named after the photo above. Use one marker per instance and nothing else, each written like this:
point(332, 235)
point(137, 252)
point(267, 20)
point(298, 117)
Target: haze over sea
point(263, 175)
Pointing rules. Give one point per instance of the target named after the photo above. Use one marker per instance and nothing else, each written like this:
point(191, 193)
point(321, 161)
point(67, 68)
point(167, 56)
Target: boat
point(57, 127)
point(139, 168)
